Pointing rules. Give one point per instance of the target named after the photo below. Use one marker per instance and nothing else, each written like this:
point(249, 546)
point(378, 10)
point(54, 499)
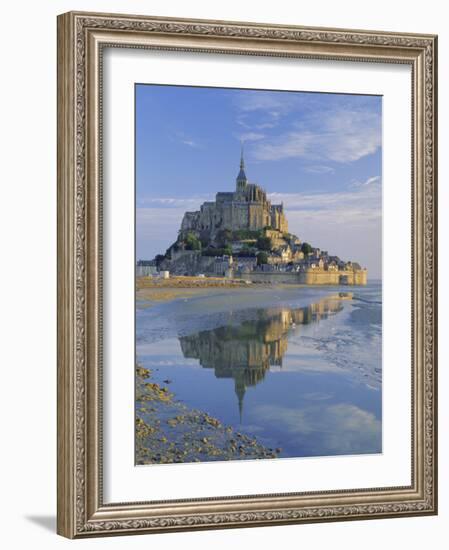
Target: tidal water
point(299, 368)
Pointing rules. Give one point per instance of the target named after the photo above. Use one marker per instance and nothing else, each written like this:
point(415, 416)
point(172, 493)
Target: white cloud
point(319, 169)
point(267, 107)
point(362, 203)
point(251, 136)
point(339, 131)
point(149, 218)
point(343, 136)
point(188, 203)
point(156, 229)
point(242, 121)
point(182, 137)
point(347, 224)
point(190, 143)
point(374, 180)
point(264, 125)
point(258, 100)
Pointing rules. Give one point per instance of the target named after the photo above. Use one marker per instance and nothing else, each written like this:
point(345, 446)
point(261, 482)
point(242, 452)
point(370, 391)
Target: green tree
point(306, 248)
point(264, 243)
point(192, 242)
point(262, 258)
point(159, 258)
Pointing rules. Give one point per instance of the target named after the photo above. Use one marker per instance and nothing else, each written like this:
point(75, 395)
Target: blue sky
point(318, 153)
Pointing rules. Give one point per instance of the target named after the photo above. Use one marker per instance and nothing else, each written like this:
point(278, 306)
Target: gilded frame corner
point(81, 37)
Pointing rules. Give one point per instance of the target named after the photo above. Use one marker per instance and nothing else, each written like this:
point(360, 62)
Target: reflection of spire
point(246, 352)
point(240, 390)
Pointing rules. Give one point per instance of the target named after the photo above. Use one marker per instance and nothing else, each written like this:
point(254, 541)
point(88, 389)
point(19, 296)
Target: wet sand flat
point(152, 290)
point(256, 371)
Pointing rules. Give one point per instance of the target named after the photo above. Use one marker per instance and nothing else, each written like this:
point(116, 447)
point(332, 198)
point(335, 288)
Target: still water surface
point(297, 368)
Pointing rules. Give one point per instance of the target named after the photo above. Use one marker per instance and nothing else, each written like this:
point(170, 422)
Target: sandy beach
point(151, 290)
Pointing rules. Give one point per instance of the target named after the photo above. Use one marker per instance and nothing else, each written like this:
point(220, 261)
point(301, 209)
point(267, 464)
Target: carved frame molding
point(81, 39)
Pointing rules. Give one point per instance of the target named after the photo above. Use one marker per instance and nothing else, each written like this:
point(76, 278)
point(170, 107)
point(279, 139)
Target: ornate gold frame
point(81, 38)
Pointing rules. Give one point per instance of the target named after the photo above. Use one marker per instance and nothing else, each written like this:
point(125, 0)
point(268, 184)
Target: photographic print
point(258, 274)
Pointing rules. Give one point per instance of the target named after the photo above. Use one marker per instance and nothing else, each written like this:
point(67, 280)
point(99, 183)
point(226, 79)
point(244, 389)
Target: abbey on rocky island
point(242, 235)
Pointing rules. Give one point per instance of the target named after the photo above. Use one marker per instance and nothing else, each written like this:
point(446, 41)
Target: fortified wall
point(310, 276)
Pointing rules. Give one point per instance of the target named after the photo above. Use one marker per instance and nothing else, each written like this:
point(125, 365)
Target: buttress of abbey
point(245, 208)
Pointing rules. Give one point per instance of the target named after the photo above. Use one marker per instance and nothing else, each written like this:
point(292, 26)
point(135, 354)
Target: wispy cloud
point(346, 223)
point(182, 137)
point(188, 203)
point(319, 169)
point(156, 229)
point(374, 180)
point(259, 110)
point(251, 136)
point(190, 143)
point(244, 121)
point(264, 125)
point(258, 100)
point(303, 126)
point(342, 137)
point(362, 201)
point(158, 217)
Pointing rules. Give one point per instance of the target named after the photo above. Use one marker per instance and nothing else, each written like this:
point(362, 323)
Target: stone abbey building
point(245, 208)
point(242, 235)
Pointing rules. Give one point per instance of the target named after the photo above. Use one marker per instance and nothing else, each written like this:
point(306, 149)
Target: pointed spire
point(242, 180)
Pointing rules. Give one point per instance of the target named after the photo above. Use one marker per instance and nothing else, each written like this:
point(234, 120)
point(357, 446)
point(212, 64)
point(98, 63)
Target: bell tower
point(241, 180)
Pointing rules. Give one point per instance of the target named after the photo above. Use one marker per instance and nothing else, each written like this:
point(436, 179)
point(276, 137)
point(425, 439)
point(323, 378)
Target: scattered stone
point(170, 432)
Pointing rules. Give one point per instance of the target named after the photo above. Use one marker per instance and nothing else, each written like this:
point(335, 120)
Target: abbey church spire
point(242, 180)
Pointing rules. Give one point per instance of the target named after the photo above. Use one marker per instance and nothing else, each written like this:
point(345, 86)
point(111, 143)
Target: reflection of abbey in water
point(245, 352)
